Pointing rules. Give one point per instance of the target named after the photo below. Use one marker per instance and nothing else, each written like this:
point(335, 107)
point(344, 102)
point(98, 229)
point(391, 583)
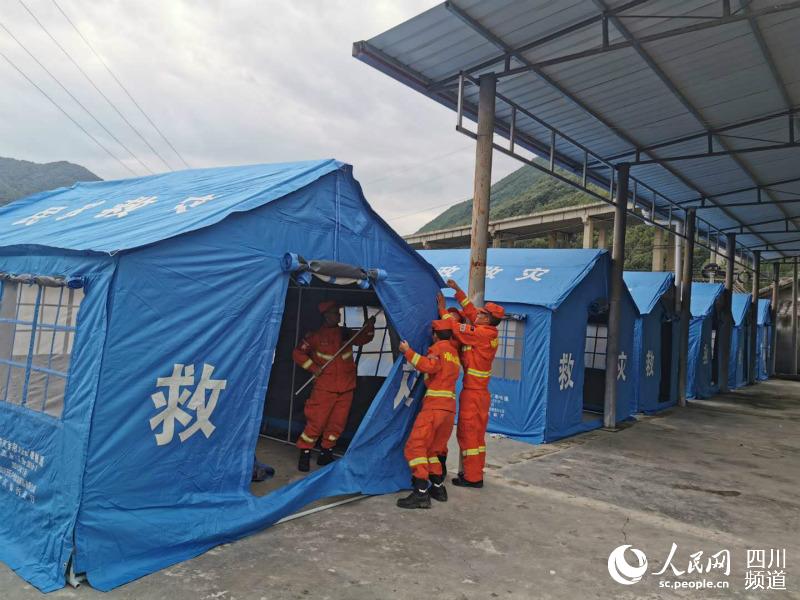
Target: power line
point(119, 83)
point(71, 95)
point(66, 114)
point(89, 79)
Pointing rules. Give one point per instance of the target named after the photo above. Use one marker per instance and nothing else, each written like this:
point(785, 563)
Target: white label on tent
point(649, 364)
point(192, 202)
point(180, 396)
point(534, 274)
point(565, 366)
point(447, 272)
point(42, 214)
point(406, 383)
point(22, 463)
point(125, 208)
point(77, 211)
point(622, 362)
point(491, 272)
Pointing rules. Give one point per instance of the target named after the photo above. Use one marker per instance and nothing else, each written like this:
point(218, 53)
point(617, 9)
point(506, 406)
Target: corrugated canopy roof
point(673, 78)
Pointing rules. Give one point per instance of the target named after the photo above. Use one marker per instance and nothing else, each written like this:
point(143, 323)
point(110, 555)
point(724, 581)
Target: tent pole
point(726, 322)
point(294, 366)
point(686, 302)
point(614, 301)
point(678, 264)
point(794, 316)
point(753, 363)
point(483, 180)
point(773, 343)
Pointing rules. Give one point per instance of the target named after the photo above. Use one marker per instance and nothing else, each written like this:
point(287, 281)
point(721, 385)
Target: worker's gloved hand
point(440, 302)
point(315, 370)
point(403, 346)
point(451, 283)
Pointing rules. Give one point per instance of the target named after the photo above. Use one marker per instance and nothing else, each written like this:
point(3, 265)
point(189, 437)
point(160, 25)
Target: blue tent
point(554, 341)
point(138, 325)
point(701, 362)
point(655, 340)
point(764, 339)
point(739, 363)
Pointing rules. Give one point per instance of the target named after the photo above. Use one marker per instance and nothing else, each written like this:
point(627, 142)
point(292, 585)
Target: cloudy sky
point(231, 82)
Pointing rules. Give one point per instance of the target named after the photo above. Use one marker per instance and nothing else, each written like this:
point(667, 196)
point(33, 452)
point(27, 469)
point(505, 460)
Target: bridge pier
point(588, 232)
point(602, 241)
point(658, 250)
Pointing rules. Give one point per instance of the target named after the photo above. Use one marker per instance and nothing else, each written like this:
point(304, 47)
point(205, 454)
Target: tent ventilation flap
point(329, 271)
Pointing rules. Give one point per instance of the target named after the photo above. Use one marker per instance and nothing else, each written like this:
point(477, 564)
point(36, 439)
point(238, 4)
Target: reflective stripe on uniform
point(465, 348)
point(481, 448)
point(324, 356)
point(473, 451)
point(415, 359)
point(331, 438)
point(464, 302)
point(346, 355)
point(308, 363)
point(310, 440)
point(433, 459)
point(447, 316)
point(441, 394)
point(476, 373)
point(422, 460)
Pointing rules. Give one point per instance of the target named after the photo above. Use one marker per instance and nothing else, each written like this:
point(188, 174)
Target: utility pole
point(686, 303)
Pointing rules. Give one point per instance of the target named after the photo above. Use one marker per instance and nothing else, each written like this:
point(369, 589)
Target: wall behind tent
point(783, 352)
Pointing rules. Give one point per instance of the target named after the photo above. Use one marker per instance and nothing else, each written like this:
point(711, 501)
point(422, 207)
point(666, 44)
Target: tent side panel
point(199, 315)
point(42, 455)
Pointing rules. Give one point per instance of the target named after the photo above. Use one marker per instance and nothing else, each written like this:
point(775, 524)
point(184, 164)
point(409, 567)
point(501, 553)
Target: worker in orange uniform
point(328, 407)
point(478, 340)
point(434, 423)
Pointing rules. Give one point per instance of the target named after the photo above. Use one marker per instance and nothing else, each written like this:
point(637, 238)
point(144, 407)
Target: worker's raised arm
point(365, 336)
point(472, 335)
point(304, 354)
point(425, 364)
point(467, 307)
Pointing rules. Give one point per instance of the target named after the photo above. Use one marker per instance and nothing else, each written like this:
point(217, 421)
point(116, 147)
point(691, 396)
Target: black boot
point(443, 460)
point(419, 497)
point(325, 457)
point(461, 482)
point(438, 492)
point(305, 459)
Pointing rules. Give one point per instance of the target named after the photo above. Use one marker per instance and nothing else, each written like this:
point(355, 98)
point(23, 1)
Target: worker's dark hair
point(444, 334)
point(494, 321)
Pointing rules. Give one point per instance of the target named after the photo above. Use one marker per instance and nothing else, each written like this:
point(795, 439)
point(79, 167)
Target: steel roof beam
point(733, 152)
point(670, 85)
point(756, 188)
point(766, 53)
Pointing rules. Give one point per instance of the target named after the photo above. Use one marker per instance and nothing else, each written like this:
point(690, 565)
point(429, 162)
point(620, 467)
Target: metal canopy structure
point(700, 97)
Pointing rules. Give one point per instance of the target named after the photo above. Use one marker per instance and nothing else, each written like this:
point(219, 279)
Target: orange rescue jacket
point(317, 347)
point(478, 346)
point(442, 368)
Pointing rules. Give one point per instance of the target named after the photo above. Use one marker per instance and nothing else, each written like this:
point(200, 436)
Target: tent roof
point(661, 87)
point(703, 297)
point(740, 304)
point(647, 288)
point(764, 311)
point(108, 216)
point(560, 272)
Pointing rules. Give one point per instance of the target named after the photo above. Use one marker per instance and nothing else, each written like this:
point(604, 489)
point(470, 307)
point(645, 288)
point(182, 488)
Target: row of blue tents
point(139, 327)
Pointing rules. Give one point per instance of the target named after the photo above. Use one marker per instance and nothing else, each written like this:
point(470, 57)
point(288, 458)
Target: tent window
point(37, 334)
point(595, 352)
point(508, 360)
point(375, 359)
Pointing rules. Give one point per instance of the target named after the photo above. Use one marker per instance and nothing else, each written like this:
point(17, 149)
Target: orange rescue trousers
point(473, 417)
point(326, 415)
point(428, 439)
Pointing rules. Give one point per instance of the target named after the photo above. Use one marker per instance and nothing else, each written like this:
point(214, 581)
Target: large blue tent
point(764, 340)
point(701, 362)
point(138, 326)
point(739, 363)
point(655, 340)
point(553, 341)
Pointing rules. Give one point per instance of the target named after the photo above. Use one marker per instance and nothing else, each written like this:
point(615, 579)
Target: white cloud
point(237, 82)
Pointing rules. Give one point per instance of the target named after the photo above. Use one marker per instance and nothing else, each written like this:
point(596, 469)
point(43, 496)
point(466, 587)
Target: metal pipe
point(776, 277)
point(678, 263)
point(686, 303)
point(481, 194)
point(794, 316)
point(726, 322)
point(615, 297)
point(752, 374)
point(294, 365)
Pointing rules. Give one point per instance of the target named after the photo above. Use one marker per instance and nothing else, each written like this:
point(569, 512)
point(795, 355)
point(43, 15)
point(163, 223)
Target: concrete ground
point(723, 474)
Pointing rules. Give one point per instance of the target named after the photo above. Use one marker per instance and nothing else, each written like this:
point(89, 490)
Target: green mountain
point(20, 178)
point(528, 190)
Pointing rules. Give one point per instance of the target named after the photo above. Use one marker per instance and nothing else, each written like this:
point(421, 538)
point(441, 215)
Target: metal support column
point(678, 264)
point(483, 182)
point(615, 297)
point(752, 374)
point(773, 343)
point(794, 317)
point(686, 302)
point(726, 322)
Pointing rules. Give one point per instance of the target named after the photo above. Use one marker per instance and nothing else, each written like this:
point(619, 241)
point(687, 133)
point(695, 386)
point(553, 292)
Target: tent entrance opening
point(594, 360)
